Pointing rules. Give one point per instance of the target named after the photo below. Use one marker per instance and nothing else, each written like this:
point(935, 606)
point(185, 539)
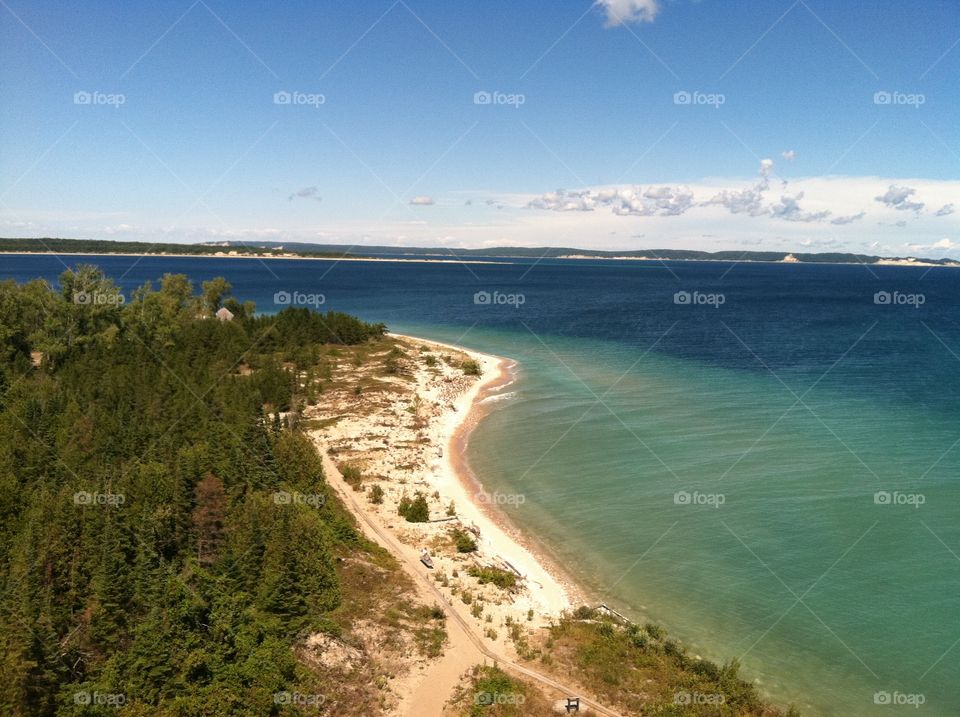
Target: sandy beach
point(405, 433)
point(426, 456)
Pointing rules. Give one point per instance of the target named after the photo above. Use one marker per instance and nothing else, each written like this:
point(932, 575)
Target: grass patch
point(640, 670)
point(501, 578)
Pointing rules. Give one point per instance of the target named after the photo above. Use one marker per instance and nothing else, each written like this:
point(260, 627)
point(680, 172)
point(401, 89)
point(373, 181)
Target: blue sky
point(783, 144)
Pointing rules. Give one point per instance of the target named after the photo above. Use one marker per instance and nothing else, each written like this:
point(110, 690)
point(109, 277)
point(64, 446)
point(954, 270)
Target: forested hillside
point(165, 532)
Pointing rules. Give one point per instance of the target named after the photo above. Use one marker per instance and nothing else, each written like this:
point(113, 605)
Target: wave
point(496, 398)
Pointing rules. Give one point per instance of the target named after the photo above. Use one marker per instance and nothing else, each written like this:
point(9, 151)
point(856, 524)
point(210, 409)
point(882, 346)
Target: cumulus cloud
point(741, 201)
point(789, 155)
point(788, 208)
point(669, 201)
point(621, 12)
point(564, 201)
point(422, 201)
point(623, 201)
point(944, 244)
point(306, 193)
point(751, 201)
point(850, 219)
point(897, 197)
point(945, 210)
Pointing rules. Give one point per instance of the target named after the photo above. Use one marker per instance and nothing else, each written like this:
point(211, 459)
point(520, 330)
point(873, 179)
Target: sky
point(794, 125)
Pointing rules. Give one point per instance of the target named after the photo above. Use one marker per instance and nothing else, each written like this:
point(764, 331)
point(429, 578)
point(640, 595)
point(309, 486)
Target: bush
point(352, 475)
point(470, 367)
point(501, 578)
point(463, 541)
point(584, 612)
point(655, 631)
point(376, 495)
point(416, 510)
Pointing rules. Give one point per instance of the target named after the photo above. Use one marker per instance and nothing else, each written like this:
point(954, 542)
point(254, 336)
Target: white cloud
point(742, 201)
point(622, 201)
point(789, 155)
point(788, 208)
point(849, 219)
point(564, 201)
point(620, 12)
point(946, 210)
point(897, 197)
point(422, 201)
point(306, 193)
point(943, 244)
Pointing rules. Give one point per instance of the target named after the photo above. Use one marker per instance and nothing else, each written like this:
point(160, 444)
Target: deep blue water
point(790, 391)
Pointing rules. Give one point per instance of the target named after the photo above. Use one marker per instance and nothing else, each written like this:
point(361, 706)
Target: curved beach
point(550, 587)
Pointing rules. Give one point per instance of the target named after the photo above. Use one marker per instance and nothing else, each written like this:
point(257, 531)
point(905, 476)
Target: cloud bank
point(621, 12)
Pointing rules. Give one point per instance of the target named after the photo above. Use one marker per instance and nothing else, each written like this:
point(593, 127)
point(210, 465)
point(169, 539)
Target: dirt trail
point(465, 649)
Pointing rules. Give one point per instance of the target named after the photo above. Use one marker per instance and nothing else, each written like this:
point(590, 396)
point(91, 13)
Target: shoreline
point(392, 428)
point(293, 257)
point(401, 428)
point(505, 260)
point(516, 546)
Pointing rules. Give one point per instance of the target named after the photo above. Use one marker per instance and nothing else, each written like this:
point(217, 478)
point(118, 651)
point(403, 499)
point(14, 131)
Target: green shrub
point(376, 495)
point(501, 578)
point(463, 541)
point(416, 510)
point(352, 475)
point(470, 367)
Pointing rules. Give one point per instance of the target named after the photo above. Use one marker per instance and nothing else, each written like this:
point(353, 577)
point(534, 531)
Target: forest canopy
point(153, 562)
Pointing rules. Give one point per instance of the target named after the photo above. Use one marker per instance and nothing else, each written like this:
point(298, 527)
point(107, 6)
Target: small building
point(224, 314)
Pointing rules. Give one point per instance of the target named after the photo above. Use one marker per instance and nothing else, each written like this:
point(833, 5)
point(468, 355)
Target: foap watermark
point(899, 99)
point(102, 699)
point(299, 699)
point(709, 99)
point(498, 498)
point(914, 699)
point(298, 298)
point(99, 298)
point(499, 698)
point(685, 697)
point(507, 99)
point(299, 99)
point(282, 497)
point(896, 497)
point(84, 497)
point(896, 298)
point(496, 298)
point(99, 99)
point(696, 298)
point(714, 500)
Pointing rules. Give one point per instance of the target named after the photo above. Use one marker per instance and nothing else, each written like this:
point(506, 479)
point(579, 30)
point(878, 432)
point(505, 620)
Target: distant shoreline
point(500, 259)
point(168, 255)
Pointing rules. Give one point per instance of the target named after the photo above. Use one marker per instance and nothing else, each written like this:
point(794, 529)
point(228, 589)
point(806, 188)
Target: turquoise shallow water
point(824, 595)
point(782, 415)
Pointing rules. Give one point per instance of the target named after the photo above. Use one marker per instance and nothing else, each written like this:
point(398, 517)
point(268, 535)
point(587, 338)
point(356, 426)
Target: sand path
point(465, 647)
